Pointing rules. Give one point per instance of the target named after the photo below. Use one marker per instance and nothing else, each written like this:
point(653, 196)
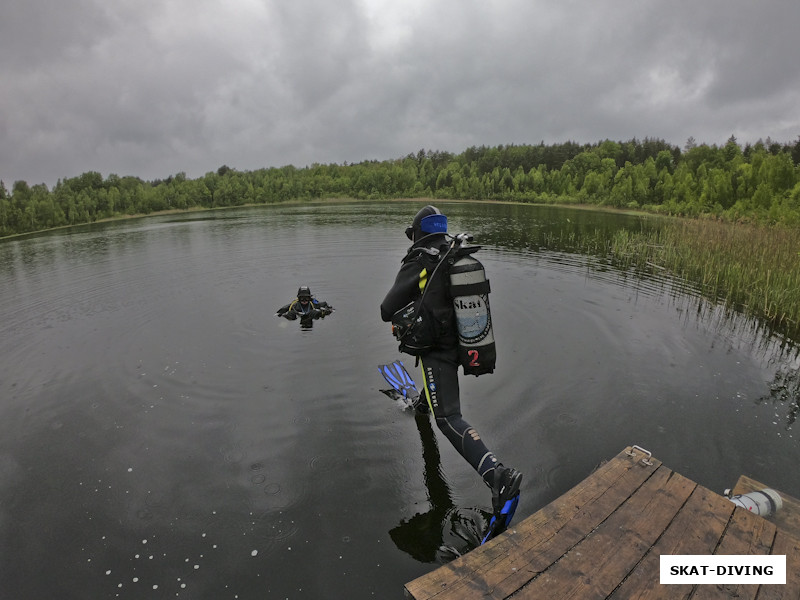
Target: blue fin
point(500, 523)
point(396, 375)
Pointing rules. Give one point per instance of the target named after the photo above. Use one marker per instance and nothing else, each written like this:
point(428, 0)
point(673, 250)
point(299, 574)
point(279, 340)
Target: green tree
point(717, 190)
point(663, 161)
point(5, 216)
point(762, 198)
point(779, 173)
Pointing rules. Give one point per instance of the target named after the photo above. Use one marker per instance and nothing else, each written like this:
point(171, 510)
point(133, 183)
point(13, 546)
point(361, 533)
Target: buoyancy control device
point(412, 325)
point(470, 289)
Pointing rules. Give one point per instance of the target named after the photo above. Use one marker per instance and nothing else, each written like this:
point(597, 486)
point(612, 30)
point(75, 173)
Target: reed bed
point(755, 269)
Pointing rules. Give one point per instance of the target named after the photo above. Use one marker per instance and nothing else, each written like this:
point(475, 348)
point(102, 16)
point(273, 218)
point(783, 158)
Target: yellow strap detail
point(425, 385)
point(423, 279)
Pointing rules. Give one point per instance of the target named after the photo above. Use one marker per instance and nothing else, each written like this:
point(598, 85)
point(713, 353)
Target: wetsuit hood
point(429, 220)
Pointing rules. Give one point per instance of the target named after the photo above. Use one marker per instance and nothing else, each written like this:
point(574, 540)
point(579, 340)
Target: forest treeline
point(757, 183)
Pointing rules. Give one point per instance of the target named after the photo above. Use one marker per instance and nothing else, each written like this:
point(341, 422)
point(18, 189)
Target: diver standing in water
point(421, 307)
point(305, 306)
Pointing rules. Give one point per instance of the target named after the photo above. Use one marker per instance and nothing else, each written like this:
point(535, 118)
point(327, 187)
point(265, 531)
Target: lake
point(164, 435)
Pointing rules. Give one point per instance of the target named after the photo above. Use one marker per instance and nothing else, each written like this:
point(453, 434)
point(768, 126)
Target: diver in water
point(437, 350)
point(305, 306)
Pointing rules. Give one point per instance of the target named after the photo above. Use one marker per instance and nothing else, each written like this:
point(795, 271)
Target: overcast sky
point(155, 87)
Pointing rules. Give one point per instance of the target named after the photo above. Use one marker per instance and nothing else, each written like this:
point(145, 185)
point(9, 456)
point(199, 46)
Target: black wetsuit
point(440, 365)
point(314, 309)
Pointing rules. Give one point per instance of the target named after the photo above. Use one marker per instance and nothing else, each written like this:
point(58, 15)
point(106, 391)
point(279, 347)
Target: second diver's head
point(429, 220)
point(304, 294)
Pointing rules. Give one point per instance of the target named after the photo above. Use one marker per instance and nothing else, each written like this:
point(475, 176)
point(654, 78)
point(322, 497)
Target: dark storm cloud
point(151, 88)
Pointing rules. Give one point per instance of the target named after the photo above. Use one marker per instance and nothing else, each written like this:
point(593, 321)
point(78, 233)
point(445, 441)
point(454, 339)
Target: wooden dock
point(604, 539)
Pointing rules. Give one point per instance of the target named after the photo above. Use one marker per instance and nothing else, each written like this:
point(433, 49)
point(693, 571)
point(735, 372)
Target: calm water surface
point(163, 435)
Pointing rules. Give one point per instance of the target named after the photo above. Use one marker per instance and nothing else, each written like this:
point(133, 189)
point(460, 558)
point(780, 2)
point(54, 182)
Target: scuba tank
point(469, 289)
point(413, 325)
point(764, 502)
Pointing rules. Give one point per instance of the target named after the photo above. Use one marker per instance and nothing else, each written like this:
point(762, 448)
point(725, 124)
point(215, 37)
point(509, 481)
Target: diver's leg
point(440, 380)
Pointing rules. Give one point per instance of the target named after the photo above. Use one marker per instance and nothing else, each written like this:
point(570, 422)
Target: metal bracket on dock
point(646, 460)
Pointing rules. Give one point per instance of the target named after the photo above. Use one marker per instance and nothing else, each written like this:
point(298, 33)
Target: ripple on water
point(281, 529)
point(551, 477)
point(272, 489)
point(564, 418)
point(232, 453)
point(321, 462)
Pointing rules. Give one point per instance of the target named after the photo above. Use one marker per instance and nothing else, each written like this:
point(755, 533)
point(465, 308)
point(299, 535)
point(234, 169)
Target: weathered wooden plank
point(594, 568)
point(789, 546)
point(697, 529)
point(604, 539)
point(787, 518)
point(746, 534)
point(504, 565)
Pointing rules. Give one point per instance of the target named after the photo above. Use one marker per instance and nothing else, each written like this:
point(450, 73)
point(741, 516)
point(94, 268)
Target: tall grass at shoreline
point(755, 269)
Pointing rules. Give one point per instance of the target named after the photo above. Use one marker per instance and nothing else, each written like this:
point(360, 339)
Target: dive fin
point(500, 523)
point(396, 375)
point(403, 386)
point(397, 397)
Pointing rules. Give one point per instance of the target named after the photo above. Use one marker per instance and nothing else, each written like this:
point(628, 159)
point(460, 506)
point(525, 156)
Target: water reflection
point(569, 239)
point(147, 393)
point(548, 228)
point(445, 531)
point(784, 394)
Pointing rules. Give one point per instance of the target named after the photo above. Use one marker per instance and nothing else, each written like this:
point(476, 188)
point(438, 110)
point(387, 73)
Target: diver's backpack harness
point(414, 326)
